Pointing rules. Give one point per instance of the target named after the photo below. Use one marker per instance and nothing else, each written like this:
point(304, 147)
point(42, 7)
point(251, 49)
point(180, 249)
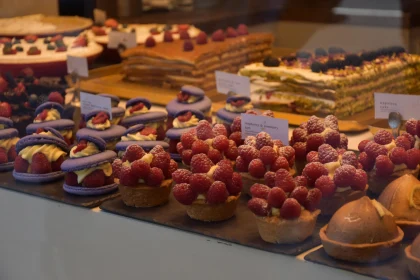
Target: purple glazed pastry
point(39, 157)
point(189, 98)
point(183, 122)
point(89, 169)
point(235, 106)
point(8, 139)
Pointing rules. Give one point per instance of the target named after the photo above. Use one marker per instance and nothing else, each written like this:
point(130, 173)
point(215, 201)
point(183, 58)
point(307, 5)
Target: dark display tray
point(240, 229)
point(392, 269)
point(53, 191)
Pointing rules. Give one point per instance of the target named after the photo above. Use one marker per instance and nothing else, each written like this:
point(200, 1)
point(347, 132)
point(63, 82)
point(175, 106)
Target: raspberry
point(350, 158)
point(314, 141)
point(236, 124)
point(410, 138)
point(200, 182)
point(161, 160)
point(287, 152)
point(301, 181)
point(313, 171)
point(3, 156)
point(326, 185)
point(411, 126)
point(331, 121)
point(332, 137)
point(200, 164)
point(187, 140)
point(248, 153)
point(312, 156)
point(201, 38)
point(299, 135)
point(184, 35)
point(315, 125)
point(223, 173)
point(398, 155)
point(204, 130)
point(278, 143)
point(300, 194)
point(241, 165)
point(304, 125)
point(181, 176)
point(313, 199)
point(418, 128)
point(40, 164)
point(215, 156)
point(242, 29)
point(343, 176)
point(127, 177)
point(366, 161)
point(362, 145)
point(157, 150)
point(232, 152)
point(150, 42)
point(263, 139)
point(276, 197)
point(184, 193)
point(224, 162)
point(290, 209)
point(268, 155)
point(95, 179)
point(56, 165)
point(256, 168)
point(237, 138)
point(383, 137)
point(373, 150)
point(21, 165)
point(140, 169)
point(403, 142)
point(155, 177)
point(251, 112)
point(173, 166)
point(218, 36)
point(234, 187)
point(219, 129)
point(109, 180)
point(292, 162)
point(199, 147)
point(167, 37)
point(268, 113)
point(179, 148)
point(359, 180)
point(300, 150)
point(251, 141)
point(186, 157)
point(284, 180)
point(100, 118)
point(221, 143)
point(134, 152)
point(259, 190)
point(188, 45)
point(55, 96)
point(280, 163)
point(258, 206)
point(71, 179)
point(5, 110)
point(384, 166)
point(270, 179)
point(344, 141)
point(217, 193)
point(327, 154)
point(413, 158)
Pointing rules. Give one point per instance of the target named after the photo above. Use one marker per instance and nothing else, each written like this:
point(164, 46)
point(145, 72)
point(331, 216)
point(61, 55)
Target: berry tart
point(145, 179)
point(235, 106)
point(39, 157)
point(208, 140)
point(142, 136)
point(385, 158)
point(362, 231)
point(312, 134)
point(402, 199)
point(210, 192)
point(117, 112)
point(260, 157)
point(189, 98)
point(337, 174)
point(284, 216)
point(89, 169)
point(98, 124)
point(49, 115)
point(412, 253)
point(9, 136)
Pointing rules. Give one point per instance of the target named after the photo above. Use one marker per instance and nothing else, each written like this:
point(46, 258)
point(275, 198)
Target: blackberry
point(320, 52)
point(303, 54)
point(369, 56)
point(335, 64)
point(33, 100)
point(19, 49)
point(271, 61)
point(16, 41)
point(47, 41)
point(318, 67)
point(50, 47)
point(168, 27)
point(353, 60)
point(335, 50)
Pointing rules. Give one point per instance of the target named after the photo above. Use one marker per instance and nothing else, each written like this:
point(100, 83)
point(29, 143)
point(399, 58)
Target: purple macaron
point(225, 116)
point(8, 132)
point(134, 101)
point(202, 102)
point(49, 106)
point(60, 125)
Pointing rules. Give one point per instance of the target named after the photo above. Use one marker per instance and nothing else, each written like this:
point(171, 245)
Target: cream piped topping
point(52, 115)
point(191, 122)
point(139, 137)
point(99, 126)
point(239, 109)
point(138, 112)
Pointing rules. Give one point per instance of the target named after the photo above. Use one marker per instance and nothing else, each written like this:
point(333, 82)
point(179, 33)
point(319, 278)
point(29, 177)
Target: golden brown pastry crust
point(202, 211)
point(143, 196)
point(413, 262)
point(329, 205)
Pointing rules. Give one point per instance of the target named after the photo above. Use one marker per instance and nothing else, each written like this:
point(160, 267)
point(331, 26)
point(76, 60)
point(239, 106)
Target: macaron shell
point(134, 129)
point(90, 191)
point(136, 100)
point(154, 116)
point(49, 105)
point(38, 178)
point(63, 124)
point(8, 133)
point(112, 133)
point(117, 112)
point(202, 105)
point(237, 98)
point(175, 133)
point(75, 164)
point(146, 145)
point(6, 122)
point(99, 142)
point(40, 139)
point(7, 166)
point(192, 90)
point(226, 115)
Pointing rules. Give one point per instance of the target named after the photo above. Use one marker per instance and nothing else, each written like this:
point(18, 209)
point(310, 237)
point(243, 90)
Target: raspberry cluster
point(8, 155)
point(260, 155)
point(315, 132)
point(208, 140)
point(213, 183)
point(137, 166)
point(39, 165)
point(329, 169)
point(383, 153)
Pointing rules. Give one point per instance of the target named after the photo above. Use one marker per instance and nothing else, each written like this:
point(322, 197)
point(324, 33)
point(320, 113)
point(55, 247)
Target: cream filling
point(240, 109)
point(390, 146)
point(417, 143)
point(191, 122)
point(52, 115)
point(101, 126)
point(192, 99)
point(121, 154)
point(2, 126)
point(52, 152)
point(115, 120)
point(90, 149)
point(331, 167)
point(111, 145)
point(67, 133)
point(8, 143)
point(105, 167)
point(138, 137)
point(138, 112)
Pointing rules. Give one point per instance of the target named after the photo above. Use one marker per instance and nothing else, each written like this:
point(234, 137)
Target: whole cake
point(332, 82)
point(174, 63)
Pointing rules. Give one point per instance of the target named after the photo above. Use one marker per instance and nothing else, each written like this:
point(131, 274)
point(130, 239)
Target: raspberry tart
point(337, 174)
point(210, 192)
point(9, 136)
point(145, 179)
point(412, 253)
point(284, 216)
point(386, 159)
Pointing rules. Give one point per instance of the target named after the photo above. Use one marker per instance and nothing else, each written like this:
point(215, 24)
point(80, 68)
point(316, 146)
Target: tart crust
point(330, 205)
point(202, 211)
point(143, 196)
point(361, 253)
point(282, 231)
point(413, 263)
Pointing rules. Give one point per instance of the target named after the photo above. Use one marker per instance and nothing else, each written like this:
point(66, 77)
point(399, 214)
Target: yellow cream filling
point(81, 174)
point(115, 120)
point(90, 149)
point(138, 112)
point(101, 126)
point(191, 122)
point(139, 137)
point(52, 115)
point(52, 152)
point(8, 143)
point(67, 133)
point(240, 109)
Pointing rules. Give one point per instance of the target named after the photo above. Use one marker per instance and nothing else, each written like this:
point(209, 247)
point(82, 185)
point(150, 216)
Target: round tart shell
point(143, 196)
point(248, 181)
point(413, 263)
point(330, 205)
point(282, 231)
point(377, 184)
point(202, 211)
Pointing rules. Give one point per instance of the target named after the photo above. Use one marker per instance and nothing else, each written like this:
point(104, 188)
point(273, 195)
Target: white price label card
point(226, 82)
point(124, 40)
point(78, 65)
point(99, 16)
point(407, 105)
point(91, 102)
point(251, 125)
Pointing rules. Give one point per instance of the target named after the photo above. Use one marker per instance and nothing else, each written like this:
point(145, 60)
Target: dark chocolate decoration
point(369, 56)
point(271, 61)
point(168, 27)
point(335, 64)
point(353, 60)
point(318, 67)
point(303, 55)
point(335, 50)
point(289, 58)
point(19, 49)
point(47, 41)
point(320, 52)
